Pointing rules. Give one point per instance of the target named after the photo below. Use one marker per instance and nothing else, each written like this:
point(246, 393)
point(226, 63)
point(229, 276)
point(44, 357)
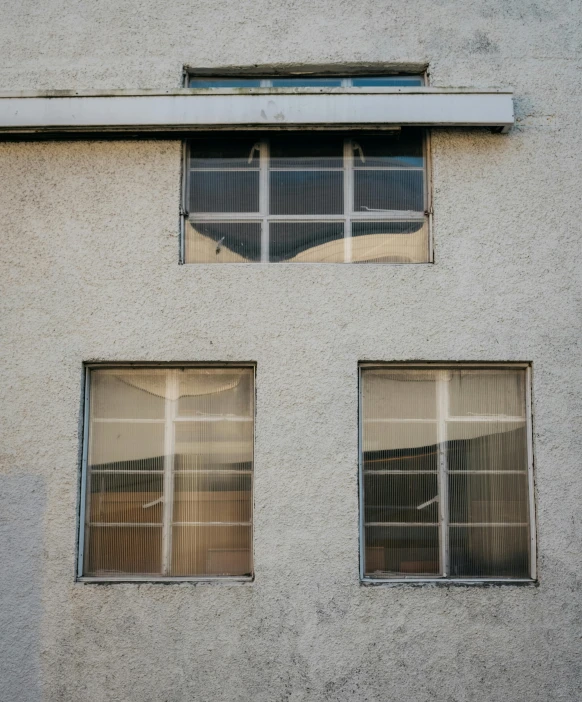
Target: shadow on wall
point(22, 503)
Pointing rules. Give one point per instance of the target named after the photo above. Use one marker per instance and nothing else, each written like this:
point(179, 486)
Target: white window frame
point(349, 215)
point(169, 421)
point(442, 418)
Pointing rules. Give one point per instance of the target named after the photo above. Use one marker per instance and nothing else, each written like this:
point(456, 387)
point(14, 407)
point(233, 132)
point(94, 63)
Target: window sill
point(137, 580)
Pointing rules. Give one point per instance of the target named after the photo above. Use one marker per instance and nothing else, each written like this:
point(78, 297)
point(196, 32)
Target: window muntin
point(307, 197)
point(398, 81)
point(446, 478)
point(168, 473)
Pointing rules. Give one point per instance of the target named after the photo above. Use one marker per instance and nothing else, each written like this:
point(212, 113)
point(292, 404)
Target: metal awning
point(185, 110)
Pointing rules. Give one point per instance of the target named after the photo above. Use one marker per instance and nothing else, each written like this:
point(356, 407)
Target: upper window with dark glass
point(305, 81)
point(307, 197)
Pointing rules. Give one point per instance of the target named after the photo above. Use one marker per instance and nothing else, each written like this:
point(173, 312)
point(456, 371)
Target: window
point(307, 197)
point(307, 81)
point(446, 473)
point(167, 475)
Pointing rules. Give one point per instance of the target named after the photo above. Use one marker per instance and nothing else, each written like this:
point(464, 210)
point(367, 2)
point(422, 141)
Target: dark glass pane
point(402, 550)
point(489, 552)
point(398, 149)
point(488, 497)
point(224, 83)
point(487, 446)
point(390, 242)
point(306, 82)
point(222, 242)
point(306, 150)
point(306, 242)
point(227, 151)
point(401, 498)
point(306, 192)
point(388, 190)
point(224, 191)
point(377, 81)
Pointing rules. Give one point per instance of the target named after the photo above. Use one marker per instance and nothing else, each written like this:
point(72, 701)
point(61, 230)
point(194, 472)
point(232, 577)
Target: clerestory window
point(307, 197)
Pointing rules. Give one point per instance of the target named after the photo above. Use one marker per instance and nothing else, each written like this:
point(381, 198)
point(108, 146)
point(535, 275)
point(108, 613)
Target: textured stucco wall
point(89, 251)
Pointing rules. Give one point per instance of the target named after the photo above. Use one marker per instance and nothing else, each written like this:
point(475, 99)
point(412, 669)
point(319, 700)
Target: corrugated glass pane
point(390, 242)
point(306, 242)
point(211, 550)
point(489, 552)
point(396, 497)
point(116, 551)
point(379, 190)
point(190, 468)
point(305, 150)
point(306, 192)
point(222, 242)
point(488, 392)
point(224, 191)
point(490, 445)
point(225, 151)
point(402, 551)
point(399, 393)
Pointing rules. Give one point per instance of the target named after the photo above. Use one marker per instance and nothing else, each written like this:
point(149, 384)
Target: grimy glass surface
point(445, 473)
point(169, 472)
point(307, 197)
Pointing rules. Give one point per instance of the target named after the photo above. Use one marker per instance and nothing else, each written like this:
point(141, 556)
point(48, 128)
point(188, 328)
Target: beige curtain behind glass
point(170, 460)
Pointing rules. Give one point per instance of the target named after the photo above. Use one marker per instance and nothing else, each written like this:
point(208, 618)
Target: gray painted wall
point(89, 252)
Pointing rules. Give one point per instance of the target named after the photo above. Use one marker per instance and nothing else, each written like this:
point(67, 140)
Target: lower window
point(446, 480)
point(167, 474)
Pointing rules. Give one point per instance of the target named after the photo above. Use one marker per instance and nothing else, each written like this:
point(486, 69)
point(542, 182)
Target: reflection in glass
point(380, 190)
point(222, 242)
point(390, 242)
point(224, 191)
point(307, 242)
point(186, 512)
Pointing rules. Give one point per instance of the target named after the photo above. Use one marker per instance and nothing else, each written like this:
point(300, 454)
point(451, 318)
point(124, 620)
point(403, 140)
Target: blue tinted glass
point(382, 81)
point(307, 82)
point(224, 83)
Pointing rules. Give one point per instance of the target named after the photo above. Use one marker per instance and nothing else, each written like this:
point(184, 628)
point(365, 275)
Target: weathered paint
point(89, 252)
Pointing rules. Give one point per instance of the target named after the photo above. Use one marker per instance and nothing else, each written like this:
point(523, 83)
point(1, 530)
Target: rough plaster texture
point(89, 252)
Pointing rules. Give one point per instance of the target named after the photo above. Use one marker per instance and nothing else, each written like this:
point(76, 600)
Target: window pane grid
point(375, 227)
point(216, 496)
point(493, 485)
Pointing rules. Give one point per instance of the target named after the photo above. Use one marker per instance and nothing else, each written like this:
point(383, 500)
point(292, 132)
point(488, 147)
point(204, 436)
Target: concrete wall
point(89, 252)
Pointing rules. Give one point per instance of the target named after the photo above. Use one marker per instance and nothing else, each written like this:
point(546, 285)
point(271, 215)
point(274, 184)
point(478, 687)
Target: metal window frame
point(348, 216)
point(83, 524)
point(446, 579)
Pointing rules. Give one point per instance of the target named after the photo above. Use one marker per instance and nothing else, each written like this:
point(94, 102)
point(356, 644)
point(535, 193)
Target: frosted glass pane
point(402, 551)
point(306, 192)
point(122, 497)
point(222, 242)
point(399, 394)
point(211, 550)
point(200, 451)
point(487, 392)
point(114, 551)
point(390, 242)
point(224, 191)
point(306, 242)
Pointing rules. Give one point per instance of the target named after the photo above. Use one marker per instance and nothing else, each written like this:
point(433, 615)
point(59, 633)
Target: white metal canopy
point(253, 108)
